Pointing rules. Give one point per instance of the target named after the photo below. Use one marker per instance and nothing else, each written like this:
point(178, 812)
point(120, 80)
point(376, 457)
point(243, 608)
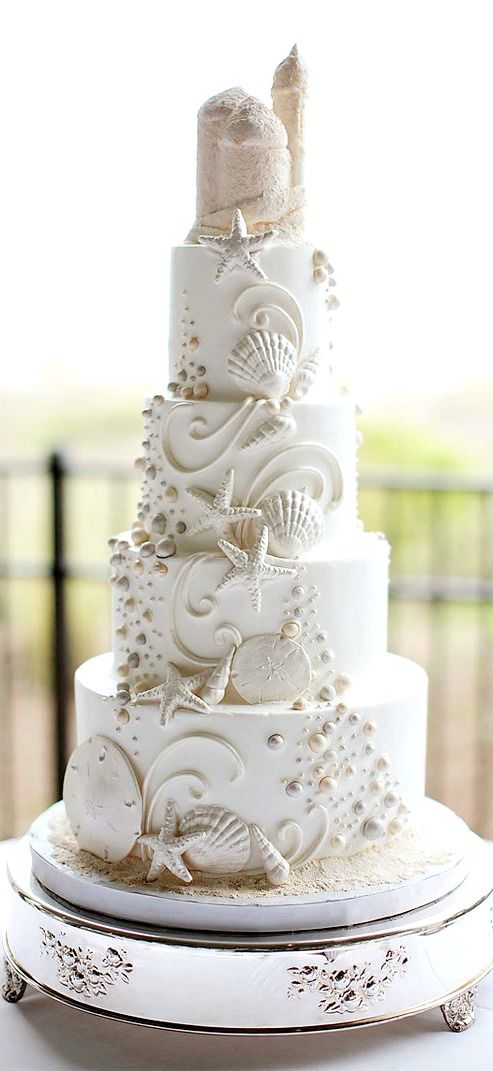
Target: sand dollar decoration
point(270, 667)
point(102, 799)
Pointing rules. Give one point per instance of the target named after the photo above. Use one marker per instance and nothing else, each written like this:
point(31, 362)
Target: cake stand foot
point(13, 986)
point(459, 1013)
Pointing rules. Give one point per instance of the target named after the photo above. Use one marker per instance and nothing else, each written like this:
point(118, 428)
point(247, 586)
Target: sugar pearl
point(328, 785)
point(123, 583)
point(338, 841)
point(320, 259)
point(161, 568)
point(320, 275)
point(359, 807)
point(122, 716)
point(165, 548)
point(193, 343)
point(369, 728)
point(383, 762)
point(295, 788)
point(327, 693)
point(376, 787)
point(139, 535)
point(391, 799)
point(133, 660)
point(318, 743)
point(122, 669)
point(200, 390)
point(342, 682)
point(141, 638)
point(147, 549)
point(394, 826)
point(275, 741)
point(329, 727)
point(349, 771)
point(373, 829)
point(300, 704)
point(290, 629)
point(171, 494)
point(158, 523)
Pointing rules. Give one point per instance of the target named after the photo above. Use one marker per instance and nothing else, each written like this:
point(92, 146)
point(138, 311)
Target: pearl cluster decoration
point(156, 532)
point(190, 381)
point(341, 769)
point(323, 273)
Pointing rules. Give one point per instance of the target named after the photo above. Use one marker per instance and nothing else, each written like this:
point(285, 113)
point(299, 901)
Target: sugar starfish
point(177, 693)
point(220, 513)
point(167, 847)
point(250, 567)
point(235, 248)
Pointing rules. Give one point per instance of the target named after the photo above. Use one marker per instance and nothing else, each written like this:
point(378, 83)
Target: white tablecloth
point(38, 1033)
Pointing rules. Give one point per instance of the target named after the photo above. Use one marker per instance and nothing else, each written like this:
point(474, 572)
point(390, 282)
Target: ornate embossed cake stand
point(279, 983)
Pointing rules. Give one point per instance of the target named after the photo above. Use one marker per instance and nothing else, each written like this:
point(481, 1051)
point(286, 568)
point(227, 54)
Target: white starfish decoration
point(235, 248)
point(250, 567)
point(220, 513)
point(177, 693)
point(167, 847)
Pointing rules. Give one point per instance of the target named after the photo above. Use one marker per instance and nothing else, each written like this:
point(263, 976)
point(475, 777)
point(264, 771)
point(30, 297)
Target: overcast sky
point(97, 135)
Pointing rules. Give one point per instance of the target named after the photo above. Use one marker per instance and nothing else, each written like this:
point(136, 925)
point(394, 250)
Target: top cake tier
point(257, 327)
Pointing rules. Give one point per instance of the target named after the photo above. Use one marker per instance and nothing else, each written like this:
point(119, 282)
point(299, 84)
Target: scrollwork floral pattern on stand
point(347, 989)
point(78, 970)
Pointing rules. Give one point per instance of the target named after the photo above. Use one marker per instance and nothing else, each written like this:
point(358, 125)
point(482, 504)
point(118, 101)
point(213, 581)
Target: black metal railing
point(441, 613)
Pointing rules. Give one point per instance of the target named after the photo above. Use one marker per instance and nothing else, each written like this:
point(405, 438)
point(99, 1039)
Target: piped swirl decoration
point(268, 306)
point(224, 635)
point(167, 769)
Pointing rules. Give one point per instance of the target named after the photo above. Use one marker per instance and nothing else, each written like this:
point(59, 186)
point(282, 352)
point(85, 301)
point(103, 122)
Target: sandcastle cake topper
point(250, 157)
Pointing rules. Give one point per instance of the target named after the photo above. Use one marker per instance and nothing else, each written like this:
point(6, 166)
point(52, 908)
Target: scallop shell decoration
point(305, 375)
point(262, 364)
point(227, 847)
point(102, 799)
point(295, 522)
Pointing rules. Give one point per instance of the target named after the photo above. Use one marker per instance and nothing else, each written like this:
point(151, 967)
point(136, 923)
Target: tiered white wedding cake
point(250, 718)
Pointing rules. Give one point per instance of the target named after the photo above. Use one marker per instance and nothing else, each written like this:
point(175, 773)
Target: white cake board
point(273, 913)
point(252, 983)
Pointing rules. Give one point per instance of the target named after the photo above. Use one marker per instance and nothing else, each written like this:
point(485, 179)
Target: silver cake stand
point(252, 983)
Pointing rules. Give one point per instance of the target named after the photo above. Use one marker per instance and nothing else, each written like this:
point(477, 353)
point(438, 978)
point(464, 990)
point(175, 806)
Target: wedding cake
point(249, 719)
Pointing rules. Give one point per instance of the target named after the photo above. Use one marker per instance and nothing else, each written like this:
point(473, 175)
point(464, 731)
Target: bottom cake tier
point(326, 780)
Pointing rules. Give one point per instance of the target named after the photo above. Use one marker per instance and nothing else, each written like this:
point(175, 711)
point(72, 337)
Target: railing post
point(56, 469)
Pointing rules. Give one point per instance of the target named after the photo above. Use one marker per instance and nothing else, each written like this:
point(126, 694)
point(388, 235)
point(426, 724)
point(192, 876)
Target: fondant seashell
point(295, 522)
point(102, 799)
point(215, 687)
point(270, 668)
point(275, 865)
point(305, 375)
point(226, 849)
point(270, 432)
point(262, 364)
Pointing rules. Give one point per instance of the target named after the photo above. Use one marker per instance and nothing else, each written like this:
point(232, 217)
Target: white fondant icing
point(197, 444)
point(217, 317)
point(338, 599)
point(238, 769)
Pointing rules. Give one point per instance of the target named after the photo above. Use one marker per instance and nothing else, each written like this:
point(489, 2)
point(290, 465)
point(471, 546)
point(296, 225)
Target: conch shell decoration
point(215, 687)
